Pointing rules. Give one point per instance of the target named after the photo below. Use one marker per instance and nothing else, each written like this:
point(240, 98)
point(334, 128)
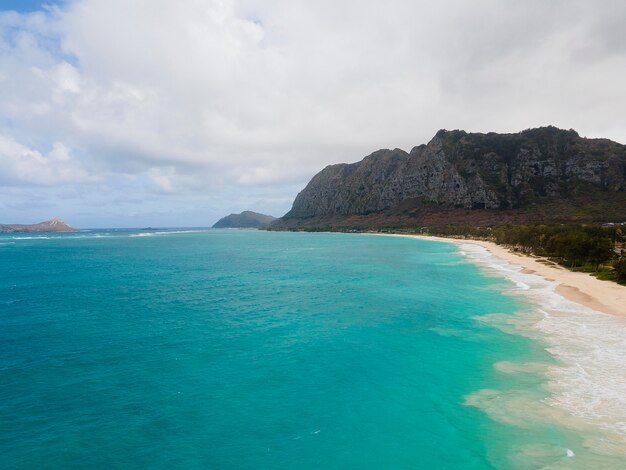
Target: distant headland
point(246, 219)
point(53, 225)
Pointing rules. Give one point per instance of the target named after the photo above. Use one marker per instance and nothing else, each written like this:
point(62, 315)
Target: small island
point(246, 219)
point(53, 225)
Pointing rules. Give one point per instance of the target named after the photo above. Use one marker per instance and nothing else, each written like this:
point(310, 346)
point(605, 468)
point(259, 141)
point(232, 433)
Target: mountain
point(52, 225)
point(247, 219)
point(538, 175)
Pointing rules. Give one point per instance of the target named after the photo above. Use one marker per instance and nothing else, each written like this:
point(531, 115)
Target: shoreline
point(581, 288)
point(580, 321)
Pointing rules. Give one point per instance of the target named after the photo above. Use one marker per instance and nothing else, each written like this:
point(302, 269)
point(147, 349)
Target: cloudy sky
point(173, 113)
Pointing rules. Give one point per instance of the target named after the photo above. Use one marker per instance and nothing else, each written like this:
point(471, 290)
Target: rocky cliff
point(52, 225)
point(458, 177)
point(247, 219)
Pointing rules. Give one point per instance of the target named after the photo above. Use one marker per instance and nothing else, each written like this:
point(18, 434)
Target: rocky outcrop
point(53, 225)
point(460, 172)
point(247, 219)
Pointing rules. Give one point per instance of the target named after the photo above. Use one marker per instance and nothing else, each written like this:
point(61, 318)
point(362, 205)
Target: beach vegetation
point(620, 270)
point(598, 249)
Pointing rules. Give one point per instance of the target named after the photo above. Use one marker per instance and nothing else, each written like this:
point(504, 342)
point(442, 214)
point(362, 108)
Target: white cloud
point(20, 164)
point(162, 178)
point(204, 95)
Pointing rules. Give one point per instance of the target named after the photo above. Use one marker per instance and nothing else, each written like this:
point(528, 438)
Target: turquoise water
point(247, 350)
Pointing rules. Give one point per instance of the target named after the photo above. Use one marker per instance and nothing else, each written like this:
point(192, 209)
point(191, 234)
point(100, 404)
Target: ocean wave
point(86, 236)
point(588, 381)
point(91, 234)
point(63, 237)
point(40, 237)
point(165, 232)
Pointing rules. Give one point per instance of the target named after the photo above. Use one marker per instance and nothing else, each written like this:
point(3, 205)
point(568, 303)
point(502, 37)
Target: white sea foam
point(507, 367)
point(87, 237)
point(85, 234)
point(181, 231)
point(589, 380)
point(168, 232)
point(63, 237)
point(40, 237)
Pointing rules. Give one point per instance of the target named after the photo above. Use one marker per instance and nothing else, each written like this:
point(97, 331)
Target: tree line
point(581, 247)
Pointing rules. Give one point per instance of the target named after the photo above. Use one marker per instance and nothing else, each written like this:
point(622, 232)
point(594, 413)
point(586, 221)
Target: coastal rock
point(53, 225)
point(464, 175)
point(246, 219)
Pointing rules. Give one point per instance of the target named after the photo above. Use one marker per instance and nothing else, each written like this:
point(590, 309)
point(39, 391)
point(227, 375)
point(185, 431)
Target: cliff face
point(52, 225)
point(457, 172)
point(247, 219)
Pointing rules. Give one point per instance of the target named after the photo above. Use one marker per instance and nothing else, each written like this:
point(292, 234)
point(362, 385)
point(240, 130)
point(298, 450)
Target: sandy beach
point(603, 296)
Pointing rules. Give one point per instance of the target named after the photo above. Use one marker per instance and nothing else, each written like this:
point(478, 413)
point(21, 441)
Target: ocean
point(241, 349)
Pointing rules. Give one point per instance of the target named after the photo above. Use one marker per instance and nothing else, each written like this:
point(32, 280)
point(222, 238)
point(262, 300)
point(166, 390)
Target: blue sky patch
point(25, 6)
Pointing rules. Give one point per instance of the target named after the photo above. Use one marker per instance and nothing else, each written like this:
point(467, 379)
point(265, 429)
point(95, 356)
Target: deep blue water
point(248, 349)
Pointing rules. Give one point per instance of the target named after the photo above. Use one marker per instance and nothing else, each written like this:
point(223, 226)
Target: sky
point(133, 113)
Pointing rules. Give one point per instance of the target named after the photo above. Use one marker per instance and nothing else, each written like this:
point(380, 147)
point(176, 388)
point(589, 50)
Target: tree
point(620, 270)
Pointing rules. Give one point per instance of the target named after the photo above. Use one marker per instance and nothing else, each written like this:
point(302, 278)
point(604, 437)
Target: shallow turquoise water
point(246, 350)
